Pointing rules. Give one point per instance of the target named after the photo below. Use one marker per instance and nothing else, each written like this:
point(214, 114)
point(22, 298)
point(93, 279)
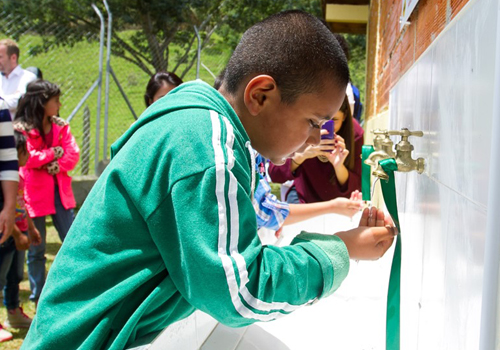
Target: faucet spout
point(385, 151)
point(380, 173)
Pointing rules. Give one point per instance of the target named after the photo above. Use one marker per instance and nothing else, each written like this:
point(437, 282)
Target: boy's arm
point(270, 212)
point(8, 213)
point(33, 232)
point(305, 211)
point(22, 241)
point(218, 264)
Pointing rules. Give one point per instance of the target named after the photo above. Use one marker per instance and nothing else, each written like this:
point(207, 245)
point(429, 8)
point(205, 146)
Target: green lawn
point(76, 68)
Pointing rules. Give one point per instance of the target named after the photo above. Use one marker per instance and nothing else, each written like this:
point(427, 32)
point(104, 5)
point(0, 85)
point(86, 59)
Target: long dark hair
point(31, 108)
point(347, 133)
point(156, 82)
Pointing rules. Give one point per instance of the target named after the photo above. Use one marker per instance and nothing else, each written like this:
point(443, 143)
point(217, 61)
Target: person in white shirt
point(14, 78)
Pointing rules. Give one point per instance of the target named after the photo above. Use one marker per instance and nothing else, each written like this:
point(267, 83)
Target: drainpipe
point(489, 308)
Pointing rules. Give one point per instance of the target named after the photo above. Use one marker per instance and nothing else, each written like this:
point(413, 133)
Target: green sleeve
point(206, 233)
point(332, 254)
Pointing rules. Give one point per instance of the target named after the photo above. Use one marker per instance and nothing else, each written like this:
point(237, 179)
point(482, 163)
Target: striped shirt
point(270, 212)
point(8, 152)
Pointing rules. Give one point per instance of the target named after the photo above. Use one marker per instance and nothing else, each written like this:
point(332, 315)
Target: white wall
point(448, 94)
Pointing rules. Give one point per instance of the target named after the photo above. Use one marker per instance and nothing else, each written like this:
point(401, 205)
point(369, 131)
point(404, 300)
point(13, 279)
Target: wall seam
point(483, 207)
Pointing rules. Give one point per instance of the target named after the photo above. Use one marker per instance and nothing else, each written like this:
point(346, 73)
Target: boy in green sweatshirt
point(169, 227)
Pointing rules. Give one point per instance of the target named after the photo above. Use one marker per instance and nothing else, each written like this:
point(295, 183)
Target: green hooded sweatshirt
point(168, 228)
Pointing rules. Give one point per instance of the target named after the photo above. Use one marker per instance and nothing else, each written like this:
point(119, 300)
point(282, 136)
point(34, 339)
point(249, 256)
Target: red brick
point(430, 22)
point(407, 49)
point(456, 6)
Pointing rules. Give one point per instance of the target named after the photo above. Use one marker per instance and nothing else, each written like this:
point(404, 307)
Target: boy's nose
point(314, 137)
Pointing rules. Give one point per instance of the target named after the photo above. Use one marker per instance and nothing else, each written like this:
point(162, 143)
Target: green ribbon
point(366, 170)
point(393, 325)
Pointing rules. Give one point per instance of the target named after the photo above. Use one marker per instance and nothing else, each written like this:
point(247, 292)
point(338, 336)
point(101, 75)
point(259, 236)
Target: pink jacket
point(39, 184)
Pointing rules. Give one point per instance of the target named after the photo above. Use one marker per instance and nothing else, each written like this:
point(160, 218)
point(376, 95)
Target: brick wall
point(391, 51)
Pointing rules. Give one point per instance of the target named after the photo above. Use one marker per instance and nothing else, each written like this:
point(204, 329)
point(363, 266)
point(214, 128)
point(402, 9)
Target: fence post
point(86, 141)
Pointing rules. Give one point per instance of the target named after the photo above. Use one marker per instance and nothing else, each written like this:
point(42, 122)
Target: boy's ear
point(260, 91)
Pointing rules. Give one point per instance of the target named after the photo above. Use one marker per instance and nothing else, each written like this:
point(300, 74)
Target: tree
point(144, 30)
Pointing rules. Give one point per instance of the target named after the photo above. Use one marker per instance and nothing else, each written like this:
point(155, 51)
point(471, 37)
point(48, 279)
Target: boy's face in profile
point(286, 128)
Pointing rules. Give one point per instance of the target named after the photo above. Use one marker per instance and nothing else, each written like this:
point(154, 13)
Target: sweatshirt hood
point(192, 95)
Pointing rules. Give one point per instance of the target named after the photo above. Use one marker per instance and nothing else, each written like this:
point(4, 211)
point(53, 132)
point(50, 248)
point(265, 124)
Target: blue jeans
point(11, 273)
point(292, 196)
point(62, 219)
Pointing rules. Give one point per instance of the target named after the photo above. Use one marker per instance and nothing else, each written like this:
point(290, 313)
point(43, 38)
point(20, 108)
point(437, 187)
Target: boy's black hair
point(343, 44)
point(20, 139)
point(219, 79)
point(294, 48)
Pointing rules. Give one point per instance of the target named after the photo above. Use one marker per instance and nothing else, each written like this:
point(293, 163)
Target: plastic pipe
point(489, 308)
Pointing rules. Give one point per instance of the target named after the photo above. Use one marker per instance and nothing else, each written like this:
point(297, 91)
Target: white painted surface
point(449, 95)
point(187, 334)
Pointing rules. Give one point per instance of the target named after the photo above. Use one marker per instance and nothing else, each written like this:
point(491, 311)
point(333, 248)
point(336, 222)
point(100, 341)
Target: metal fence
point(77, 71)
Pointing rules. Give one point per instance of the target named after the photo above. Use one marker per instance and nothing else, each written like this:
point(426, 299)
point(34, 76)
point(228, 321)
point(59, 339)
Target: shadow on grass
point(24, 294)
point(52, 248)
point(18, 333)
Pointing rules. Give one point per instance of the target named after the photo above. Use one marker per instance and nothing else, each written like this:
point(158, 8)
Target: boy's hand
point(22, 242)
point(347, 207)
point(34, 235)
point(6, 224)
point(372, 238)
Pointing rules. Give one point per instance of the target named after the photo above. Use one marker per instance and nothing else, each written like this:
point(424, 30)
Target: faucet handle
point(405, 133)
point(379, 132)
point(380, 136)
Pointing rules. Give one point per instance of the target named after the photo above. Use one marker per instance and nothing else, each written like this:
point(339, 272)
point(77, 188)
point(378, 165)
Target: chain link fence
point(75, 69)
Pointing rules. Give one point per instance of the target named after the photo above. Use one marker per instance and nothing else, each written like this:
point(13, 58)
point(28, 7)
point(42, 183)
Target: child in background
point(53, 153)
point(160, 84)
point(16, 318)
point(169, 227)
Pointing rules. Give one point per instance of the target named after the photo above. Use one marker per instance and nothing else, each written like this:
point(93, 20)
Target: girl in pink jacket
point(53, 152)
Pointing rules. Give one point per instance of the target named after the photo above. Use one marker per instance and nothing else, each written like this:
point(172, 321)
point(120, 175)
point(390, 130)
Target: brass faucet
point(403, 152)
point(380, 135)
point(382, 145)
point(403, 157)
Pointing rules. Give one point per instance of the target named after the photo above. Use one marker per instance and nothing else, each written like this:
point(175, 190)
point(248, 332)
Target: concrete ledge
point(81, 187)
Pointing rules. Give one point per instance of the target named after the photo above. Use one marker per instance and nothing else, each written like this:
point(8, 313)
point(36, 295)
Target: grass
point(53, 245)
point(76, 68)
